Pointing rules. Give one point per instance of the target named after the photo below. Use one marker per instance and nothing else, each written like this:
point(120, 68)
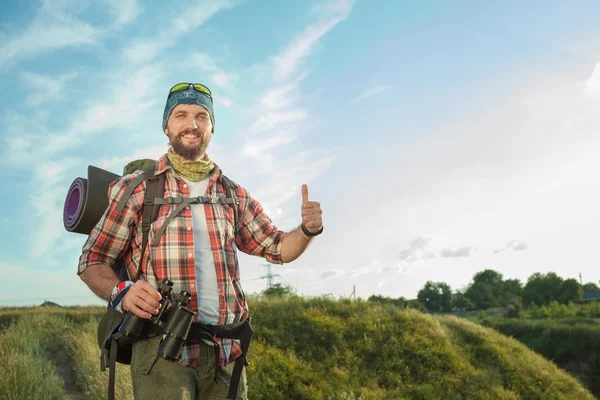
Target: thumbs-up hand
point(311, 213)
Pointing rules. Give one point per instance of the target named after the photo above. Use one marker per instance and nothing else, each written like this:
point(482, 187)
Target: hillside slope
point(317, 349)
point(321, 349)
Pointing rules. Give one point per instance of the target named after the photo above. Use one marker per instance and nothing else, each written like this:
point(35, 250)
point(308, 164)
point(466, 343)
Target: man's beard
point(188, 152)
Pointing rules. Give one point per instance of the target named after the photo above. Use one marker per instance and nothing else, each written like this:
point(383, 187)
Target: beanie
point(188, 96)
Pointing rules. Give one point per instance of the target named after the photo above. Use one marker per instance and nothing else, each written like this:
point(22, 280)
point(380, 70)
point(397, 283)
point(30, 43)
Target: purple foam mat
point(73, 209)
point(86, 200)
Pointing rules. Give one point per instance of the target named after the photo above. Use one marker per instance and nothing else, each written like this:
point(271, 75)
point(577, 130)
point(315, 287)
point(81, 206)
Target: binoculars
point(173, 319)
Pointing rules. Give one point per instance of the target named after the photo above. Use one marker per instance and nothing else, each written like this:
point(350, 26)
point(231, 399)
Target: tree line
point(488, 289)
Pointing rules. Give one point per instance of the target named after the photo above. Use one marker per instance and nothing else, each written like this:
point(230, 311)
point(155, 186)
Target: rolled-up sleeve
point(257, 235)
point(109, 239)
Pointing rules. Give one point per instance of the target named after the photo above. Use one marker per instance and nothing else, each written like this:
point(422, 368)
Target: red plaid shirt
point(120, 234)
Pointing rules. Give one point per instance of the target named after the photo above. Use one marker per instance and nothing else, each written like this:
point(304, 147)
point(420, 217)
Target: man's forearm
point(101, 279)
point(294, 244)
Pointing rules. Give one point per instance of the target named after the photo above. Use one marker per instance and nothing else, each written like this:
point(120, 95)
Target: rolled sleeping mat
point(86, 200)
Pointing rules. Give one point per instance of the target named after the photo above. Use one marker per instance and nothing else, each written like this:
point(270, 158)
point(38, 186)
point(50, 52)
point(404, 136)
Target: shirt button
point(190, 255)
point(189, 228)
point(187, 207)
point(185, 185)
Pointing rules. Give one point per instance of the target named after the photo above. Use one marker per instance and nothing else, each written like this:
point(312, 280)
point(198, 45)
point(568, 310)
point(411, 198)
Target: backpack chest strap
point(194, 200)
point(182, 202)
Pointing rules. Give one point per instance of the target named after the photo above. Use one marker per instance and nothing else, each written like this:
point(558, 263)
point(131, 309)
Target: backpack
point(114, 347)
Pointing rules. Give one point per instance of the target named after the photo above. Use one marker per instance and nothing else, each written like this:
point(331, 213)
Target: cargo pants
point(155, 378)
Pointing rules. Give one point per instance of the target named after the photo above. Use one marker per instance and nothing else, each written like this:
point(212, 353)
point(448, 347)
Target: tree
point(277, 290)
point(541, 289)
point(512, 291)
point(399, 302)
point(462, 302)
point(486, 290)
point(570, 291)
point(436, 297)
point(590, 287)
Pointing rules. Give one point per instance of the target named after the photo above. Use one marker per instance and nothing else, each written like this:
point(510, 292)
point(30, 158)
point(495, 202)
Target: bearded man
point(197, 251)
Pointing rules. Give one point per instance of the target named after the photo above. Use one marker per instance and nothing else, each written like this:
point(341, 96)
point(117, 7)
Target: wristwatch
point(307, 233)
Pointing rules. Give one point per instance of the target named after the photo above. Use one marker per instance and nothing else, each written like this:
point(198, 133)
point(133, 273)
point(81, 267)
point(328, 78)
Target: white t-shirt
point(206, 276)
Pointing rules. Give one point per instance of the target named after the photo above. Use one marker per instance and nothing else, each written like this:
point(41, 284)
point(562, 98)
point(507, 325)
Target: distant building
point(49, 304)
point(591, 296)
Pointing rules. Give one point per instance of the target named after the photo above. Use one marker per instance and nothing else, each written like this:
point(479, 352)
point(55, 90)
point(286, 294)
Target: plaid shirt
point(120, 235)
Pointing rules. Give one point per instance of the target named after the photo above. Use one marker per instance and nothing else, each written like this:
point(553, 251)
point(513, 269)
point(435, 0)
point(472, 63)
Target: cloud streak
point(45, 88)
point(124, 11)
point(286, 63)
point(283, 117)
point(373, 91)
point(514, 245)
point(51, 29)
point(145, 50)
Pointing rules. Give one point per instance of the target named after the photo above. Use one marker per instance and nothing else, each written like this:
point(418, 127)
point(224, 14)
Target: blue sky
point(441, 138)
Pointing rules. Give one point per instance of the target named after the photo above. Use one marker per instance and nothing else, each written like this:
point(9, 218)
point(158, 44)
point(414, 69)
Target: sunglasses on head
point(180, 87)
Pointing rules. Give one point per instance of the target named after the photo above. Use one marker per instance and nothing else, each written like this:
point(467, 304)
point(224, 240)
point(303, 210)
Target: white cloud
point(280, 96)
point(515, 245)
point(220, 79)
point(223, 101)
point(334, 273)
point(417, 250)
point(359, 272)
point(116, 164)
point(593, 83)
point(258, 147)
point(183, 20)
point(464, 251)
point(47, 209)
point(50, 29)
point(124, 11)
point(373, 91)
point(292, 57)
point(43, 88)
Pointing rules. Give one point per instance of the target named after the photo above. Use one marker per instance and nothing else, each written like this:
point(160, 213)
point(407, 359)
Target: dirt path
point(64, 367)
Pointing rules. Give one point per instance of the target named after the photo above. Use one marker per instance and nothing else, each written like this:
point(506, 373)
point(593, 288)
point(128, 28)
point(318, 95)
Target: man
point(197, 251)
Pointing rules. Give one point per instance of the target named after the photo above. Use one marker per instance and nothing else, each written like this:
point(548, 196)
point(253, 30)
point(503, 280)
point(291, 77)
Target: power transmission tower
point(269, 276)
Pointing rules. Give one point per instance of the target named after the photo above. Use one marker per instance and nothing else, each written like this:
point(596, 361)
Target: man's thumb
point(304, 193)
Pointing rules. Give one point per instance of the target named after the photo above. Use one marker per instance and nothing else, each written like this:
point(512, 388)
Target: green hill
point(318, 349)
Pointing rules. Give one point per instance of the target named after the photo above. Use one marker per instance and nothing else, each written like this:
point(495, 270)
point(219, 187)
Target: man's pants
point(155, 378)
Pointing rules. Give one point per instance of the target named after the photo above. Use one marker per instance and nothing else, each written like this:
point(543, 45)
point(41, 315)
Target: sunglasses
point(180, 87)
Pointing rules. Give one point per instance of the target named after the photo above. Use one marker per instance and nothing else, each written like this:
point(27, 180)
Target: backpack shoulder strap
point(154, 188)
point(231, 194)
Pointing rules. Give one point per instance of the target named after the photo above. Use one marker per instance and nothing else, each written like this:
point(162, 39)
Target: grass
point(307, 349)
point(27, 349)
point(83, 348)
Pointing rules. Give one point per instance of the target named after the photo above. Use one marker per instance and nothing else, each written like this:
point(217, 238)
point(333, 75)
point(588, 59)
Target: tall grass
point(27, 348)
point(93, 383)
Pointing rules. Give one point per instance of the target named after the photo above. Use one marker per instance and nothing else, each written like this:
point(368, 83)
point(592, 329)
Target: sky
point(441, 138)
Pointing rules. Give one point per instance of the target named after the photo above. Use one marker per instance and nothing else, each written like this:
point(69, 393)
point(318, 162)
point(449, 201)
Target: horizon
point(440, 140)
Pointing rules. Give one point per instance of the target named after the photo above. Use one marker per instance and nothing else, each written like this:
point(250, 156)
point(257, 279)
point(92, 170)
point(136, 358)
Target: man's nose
point(191, 123)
